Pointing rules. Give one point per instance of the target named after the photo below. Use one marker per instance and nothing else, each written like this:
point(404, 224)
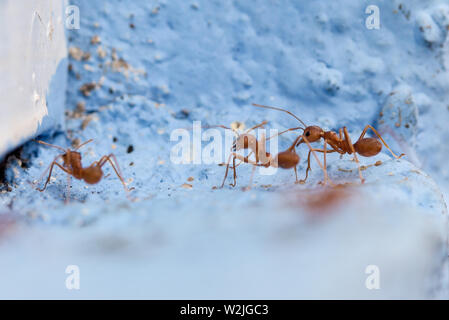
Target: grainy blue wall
point(317, 58)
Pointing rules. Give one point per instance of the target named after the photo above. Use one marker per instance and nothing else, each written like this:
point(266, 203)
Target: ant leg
point(317, 160)
point(340, 134)
point(326, 178)
point(234, 172)
point(250, 180)
point(308, 168)
point(296, 170)
point(349, 142)
point(227, 169)
point(69, 182)
point(49, 175)
point(381, 139)
point(308, 164)
point(119, 173)
point(234, 166)
point(325, 151)
point(246, 160)
point(45, 172)
point(242, 161)
point(116, 168)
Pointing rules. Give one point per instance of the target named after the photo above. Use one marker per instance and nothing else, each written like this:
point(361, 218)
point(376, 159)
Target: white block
point(33, 69)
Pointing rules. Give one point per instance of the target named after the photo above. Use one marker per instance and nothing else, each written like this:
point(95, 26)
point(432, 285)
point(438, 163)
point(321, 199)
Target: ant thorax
point(331, 135)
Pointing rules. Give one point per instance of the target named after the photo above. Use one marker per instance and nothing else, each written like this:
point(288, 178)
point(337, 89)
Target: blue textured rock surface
point(141, 69)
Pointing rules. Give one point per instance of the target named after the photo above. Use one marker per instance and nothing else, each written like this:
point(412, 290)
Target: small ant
point(286, 159)
point(73, 167)
point(367, 147)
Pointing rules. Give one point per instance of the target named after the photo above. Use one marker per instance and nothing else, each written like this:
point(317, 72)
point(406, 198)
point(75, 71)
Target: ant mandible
point(287, 159)
point(367, 147)
point(73, 167)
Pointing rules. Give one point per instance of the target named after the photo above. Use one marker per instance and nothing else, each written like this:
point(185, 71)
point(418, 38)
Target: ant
point(341, 143)
point(73, 167)
point(286, 159)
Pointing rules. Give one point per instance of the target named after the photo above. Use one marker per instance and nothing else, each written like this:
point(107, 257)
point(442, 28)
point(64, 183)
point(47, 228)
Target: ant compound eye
point(307, 133)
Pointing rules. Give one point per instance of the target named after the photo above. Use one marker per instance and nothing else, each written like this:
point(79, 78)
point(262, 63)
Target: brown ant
point(366, 147)
point(73, 167)
point(286, 159)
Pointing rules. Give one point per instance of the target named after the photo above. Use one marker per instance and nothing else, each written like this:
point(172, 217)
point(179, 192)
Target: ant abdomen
point(92, 175)
point(287, 159)
point(368, 147)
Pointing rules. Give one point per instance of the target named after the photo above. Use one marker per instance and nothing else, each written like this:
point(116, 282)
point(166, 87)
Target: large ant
point(287, 159)
point(367, 147)
point(73, 167)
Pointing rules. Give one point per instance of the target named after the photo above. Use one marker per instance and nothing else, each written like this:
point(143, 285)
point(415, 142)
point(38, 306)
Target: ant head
point(93, 174)
point(313, 133)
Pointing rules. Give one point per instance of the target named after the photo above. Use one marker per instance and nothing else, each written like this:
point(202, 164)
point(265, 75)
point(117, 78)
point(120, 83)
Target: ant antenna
point(282, 132)
point(51, 145)
point(83, 144)
point(257, 126)
point(234, 130)
point(221, 126)
point(216, 126)
point(279, 109)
